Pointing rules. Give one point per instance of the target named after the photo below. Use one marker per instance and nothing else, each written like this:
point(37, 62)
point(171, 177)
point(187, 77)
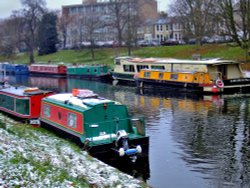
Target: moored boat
point(102, 125)
point(48, 69)
point(127, 67)
point(89, 71)
point(15, 69)
point(22, 102)
point(209, 76)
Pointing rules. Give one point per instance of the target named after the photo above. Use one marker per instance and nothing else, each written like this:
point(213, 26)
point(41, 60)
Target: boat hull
point(123, 77)
point(109, 149)
point(230, 86)
point(91, 77)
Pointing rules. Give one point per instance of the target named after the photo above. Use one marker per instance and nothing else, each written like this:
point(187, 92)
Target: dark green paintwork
point(109, 116)
point(95, 70)
point(20, 106)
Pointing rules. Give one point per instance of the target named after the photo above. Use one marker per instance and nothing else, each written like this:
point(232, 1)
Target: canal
point(195, 141)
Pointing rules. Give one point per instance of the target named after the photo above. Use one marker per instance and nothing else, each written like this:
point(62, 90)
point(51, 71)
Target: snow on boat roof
point(77, 101)
point(19, 91)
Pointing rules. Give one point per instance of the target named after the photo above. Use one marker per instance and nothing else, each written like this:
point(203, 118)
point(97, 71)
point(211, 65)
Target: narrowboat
point(127, 67)
point(206, 76)
point(21, 101)
point(102, 125)
point(48, 69)
point(89, 71)
point(14, 69)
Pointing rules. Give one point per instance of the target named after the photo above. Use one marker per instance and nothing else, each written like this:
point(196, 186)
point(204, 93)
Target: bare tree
point(236, 15)
point(33, 11)
point(118, 12)
point(63, 27)
point(197, 16)
point(11, 34)
point(125, 19)
point(91, 23)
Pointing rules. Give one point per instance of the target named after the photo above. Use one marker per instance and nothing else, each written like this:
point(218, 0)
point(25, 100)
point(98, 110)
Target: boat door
point(223, 70)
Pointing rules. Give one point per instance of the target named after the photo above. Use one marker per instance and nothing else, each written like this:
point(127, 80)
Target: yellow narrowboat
point(209, 76)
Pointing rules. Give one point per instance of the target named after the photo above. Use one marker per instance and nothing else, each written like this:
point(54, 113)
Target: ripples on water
point(195, 141)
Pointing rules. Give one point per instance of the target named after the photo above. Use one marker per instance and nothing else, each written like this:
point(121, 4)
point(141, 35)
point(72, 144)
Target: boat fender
point(121, 152)
point(219, 83)
point(139, 149)
point(131, 151)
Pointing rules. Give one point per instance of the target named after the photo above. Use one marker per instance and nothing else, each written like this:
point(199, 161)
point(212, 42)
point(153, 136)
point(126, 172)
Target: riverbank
point(34, 157)
point(106, 55)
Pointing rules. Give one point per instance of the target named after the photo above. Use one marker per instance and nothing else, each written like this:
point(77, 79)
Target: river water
point(195, 141)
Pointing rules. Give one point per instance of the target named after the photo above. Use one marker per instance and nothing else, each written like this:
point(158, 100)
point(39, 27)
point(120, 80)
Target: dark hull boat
point(102, 125)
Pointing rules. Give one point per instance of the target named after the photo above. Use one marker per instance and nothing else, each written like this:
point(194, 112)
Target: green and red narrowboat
point(22, 102)
point(102, 125)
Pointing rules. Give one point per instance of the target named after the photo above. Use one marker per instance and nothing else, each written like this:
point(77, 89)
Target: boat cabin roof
point(214, 61)
point(20, 90)
point(45, 65)
point(88, 102)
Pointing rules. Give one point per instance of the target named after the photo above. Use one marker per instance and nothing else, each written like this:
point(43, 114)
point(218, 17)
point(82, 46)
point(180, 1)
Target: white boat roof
point(77, 101)
point(214, 61)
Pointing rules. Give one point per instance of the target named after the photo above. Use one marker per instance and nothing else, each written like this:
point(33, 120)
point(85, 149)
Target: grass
point(106, 55)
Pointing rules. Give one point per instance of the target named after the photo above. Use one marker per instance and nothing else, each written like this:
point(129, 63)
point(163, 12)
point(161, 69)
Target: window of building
point(160, 27)
point(157, 27)
point(72, 120)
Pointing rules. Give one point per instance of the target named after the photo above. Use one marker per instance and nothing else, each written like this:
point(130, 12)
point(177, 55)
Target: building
point(103, 11)
point(169, 29)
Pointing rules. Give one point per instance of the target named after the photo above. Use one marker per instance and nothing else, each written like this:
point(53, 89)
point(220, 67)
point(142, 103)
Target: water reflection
point(195, 140)
point(49, 83)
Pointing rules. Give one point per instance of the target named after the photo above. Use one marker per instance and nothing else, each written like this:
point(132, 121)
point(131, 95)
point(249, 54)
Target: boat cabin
point(96, 121)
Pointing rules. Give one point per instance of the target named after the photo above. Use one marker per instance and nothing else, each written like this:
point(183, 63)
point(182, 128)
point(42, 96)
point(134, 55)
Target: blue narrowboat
point(14, 69)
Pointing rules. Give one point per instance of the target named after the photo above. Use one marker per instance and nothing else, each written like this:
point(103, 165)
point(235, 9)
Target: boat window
point(59, 115)
point(7, 102)
point(158, 67)
point(46, 110)
point(72, 120)
point(128, 68)
point(139, 67)
point(146, 74)
point(95, 70)
point(161, 75)
point(174, 76)
point(87, 70)
point(117, 61)
point(22, 106)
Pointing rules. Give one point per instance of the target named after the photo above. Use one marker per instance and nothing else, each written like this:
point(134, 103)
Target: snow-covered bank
point(36, 158)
